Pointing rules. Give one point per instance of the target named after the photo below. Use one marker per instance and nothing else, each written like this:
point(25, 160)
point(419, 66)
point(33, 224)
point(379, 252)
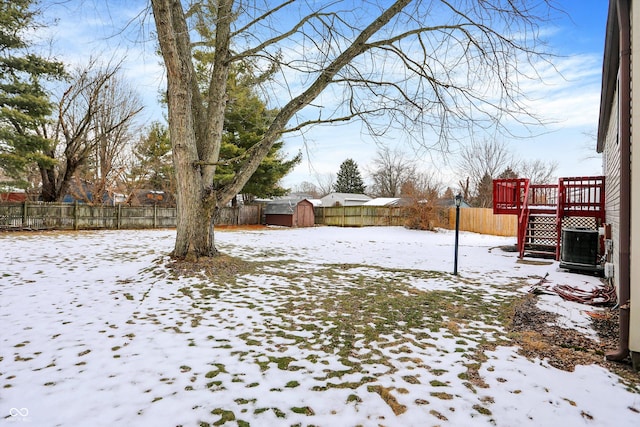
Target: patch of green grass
point(442, 395)
point(482, 410)
point(225, 416)
point(353, 398)
point(279, 413)
point(292, 384)
point(305, 410)
point(186, 291)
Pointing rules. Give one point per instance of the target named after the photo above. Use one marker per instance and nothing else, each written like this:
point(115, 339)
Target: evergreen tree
point(153, 169)
point(484, 192)
point(24, 101)
point(349, 179)
point(246, 120)
point(508, 173)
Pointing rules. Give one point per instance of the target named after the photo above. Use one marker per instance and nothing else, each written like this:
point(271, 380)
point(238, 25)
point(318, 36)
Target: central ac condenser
point(579, 249)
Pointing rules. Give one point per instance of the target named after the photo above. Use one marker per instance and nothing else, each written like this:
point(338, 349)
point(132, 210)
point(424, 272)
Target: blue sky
point(90, 28)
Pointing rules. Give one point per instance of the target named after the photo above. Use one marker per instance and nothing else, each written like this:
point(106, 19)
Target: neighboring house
point(615, 141)
point(81, 191)
point(13, 196)
point(150, 198)
point(290, 213)
point(383, 201)
point(344, 199)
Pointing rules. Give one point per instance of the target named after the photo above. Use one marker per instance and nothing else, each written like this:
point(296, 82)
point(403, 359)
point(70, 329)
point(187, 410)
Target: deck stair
point(541, 236)
point(544, 209)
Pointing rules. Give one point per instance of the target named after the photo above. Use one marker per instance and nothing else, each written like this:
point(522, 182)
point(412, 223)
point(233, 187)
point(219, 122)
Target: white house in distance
point(383, 201)
point(618, 101)
point(344, 199)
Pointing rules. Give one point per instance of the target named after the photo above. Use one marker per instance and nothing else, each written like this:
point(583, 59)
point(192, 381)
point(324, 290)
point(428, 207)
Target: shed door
point(304, 215)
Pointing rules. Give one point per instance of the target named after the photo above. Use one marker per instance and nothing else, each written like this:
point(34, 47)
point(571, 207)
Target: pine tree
point(484, 192)
point(153, 169)
point(246, 121)
point(349, 179)
point(24, 101)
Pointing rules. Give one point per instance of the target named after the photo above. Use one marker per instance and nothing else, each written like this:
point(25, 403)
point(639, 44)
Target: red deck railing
point(509, 195)
point(571, 197)
point(582, 196)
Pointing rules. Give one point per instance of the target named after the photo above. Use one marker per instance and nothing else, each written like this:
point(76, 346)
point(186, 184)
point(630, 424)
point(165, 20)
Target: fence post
point(155, 216)
point(119, 216)
point(75, 215)
point(24, 214)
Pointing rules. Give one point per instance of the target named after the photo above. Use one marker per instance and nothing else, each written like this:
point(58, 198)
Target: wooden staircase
point(543, 210)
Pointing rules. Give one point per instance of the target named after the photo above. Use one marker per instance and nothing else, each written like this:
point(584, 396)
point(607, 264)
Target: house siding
point(609, 129)
point(611, 165)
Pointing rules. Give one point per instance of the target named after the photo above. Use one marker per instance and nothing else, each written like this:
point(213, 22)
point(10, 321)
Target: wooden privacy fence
point(476, 220)
point(240, 215)
point(360, 216)
point(480, 220)
point(46, 216)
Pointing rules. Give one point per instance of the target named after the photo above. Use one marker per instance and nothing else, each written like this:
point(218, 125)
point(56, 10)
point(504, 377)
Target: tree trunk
point(195, 199)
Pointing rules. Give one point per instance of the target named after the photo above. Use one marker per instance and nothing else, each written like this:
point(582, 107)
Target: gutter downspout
point(625, 182)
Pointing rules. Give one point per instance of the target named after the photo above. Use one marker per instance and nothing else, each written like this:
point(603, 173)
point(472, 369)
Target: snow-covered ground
point(95, 330)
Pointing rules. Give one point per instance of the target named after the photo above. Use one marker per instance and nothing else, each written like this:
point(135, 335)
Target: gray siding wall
point(611, 166)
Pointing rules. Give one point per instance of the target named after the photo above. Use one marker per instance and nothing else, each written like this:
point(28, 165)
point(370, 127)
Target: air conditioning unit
point(579, 249)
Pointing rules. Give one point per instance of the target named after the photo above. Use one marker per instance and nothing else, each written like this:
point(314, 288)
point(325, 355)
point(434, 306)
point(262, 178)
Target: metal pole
point(455, 259)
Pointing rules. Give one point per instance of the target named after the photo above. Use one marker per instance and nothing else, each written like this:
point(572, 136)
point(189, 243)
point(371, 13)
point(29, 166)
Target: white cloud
point(570, 103)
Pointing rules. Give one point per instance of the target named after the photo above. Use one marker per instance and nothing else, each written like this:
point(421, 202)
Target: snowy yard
point(322, 326)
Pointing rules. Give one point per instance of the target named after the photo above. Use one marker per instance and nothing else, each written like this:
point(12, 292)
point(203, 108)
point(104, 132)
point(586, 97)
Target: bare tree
point(537, 171)
point(390, 170)
point(325, 183)
point(479, 159)
point(422, 192)
point(94, 122)
point(309, 188)
point(428, 67)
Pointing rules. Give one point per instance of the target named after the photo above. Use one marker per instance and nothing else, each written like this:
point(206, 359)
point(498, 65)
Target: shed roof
point(283, 206)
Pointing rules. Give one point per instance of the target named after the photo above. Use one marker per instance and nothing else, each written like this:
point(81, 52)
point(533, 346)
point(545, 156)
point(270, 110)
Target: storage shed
point(290, 213)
